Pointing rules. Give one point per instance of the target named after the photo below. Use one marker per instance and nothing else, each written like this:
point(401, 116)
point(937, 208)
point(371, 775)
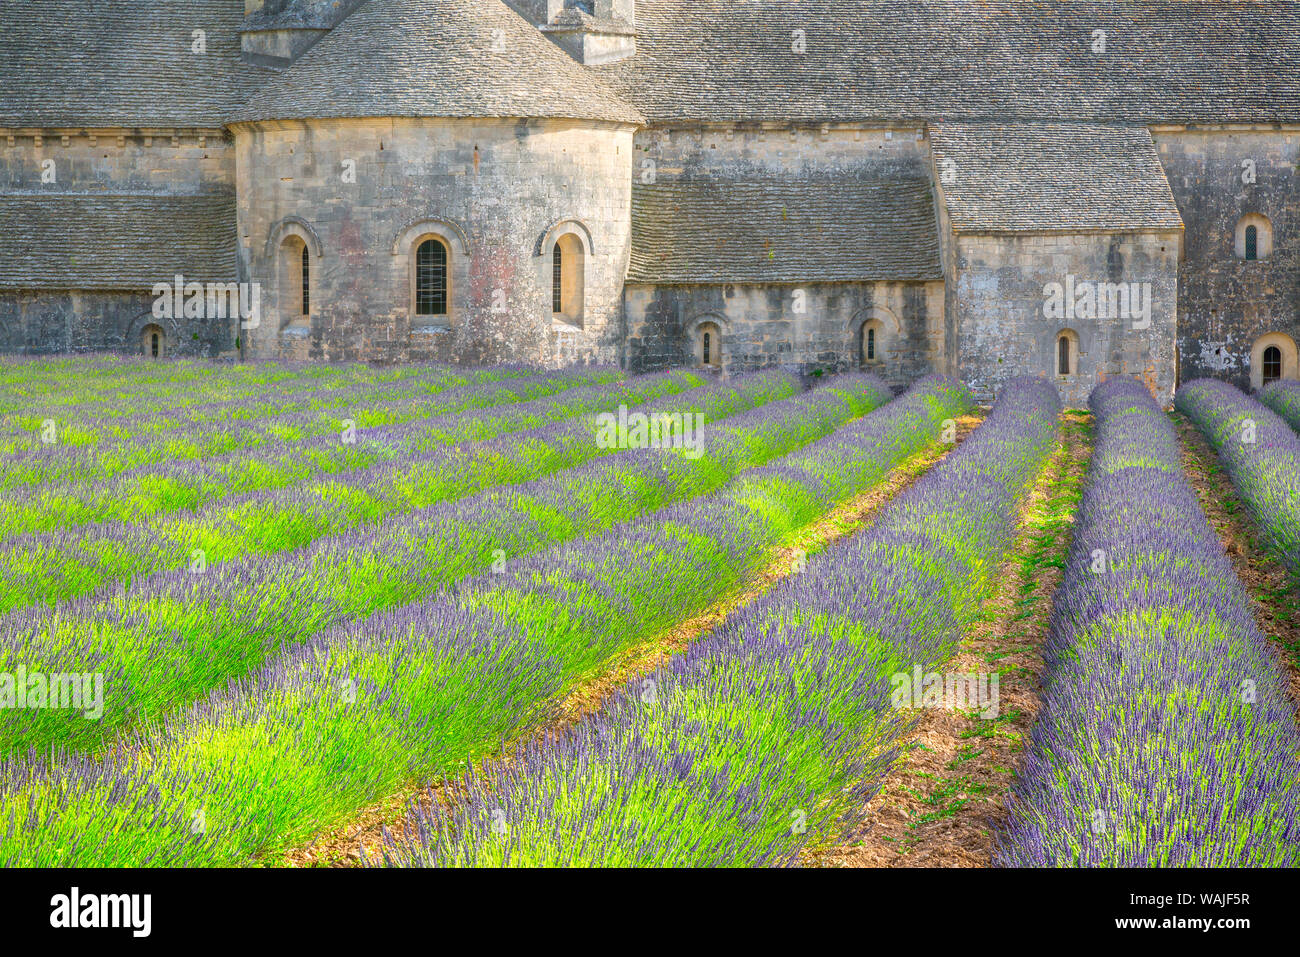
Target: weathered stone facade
point(1117, 309)
point(81, 283)
point(811, 327)
point(85, 321)
point(824, 184)
point(362, 195)
point(800, 302)
point(1229, 305)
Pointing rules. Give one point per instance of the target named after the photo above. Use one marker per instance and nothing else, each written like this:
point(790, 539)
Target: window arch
point(431, 277)
point(153, 341)
point(305, 293)
point(1254, 238)
point(295, 281)
point(568, 279)
point(871, 336)
point(1065, 357)
point(708, 345)
point(1273, 356)
point(871, 342)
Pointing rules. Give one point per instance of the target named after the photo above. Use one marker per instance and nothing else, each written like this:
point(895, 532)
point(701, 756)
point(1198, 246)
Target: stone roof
point(1048, 177)
point(90, 63)
point(893, 61)
point(83, 241)
point(452, 58)
point(783, 228)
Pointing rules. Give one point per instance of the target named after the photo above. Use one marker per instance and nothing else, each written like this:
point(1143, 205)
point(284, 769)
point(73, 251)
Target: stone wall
point(48, 319)
point(117, 161)
point(498, 193)
point(815, 326)
point(1003, 285)
point(805, 326)
point(53, 321)
point(741, 150)
point(1226, 304)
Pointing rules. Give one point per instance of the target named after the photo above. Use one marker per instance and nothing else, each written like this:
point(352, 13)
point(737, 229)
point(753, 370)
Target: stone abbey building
point(1070, 189)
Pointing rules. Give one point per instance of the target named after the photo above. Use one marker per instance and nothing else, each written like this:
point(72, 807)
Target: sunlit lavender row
point(273, 432)
point(238, 457)
point(1166, 737)
point(1283, 397)
point(175, 635)
point(760, 737)
point(1262, 454)
point(424, 689)
point(67, 563)
point(128, 406)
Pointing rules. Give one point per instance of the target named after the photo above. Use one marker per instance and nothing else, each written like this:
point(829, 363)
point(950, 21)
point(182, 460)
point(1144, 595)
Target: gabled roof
point(91, 63)
point(129, 242)
point(783, 228)
point(440, 58)
point(1049, 177)
point(911, 60)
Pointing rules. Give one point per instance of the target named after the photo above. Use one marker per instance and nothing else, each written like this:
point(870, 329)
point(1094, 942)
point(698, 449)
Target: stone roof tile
point(1208, 61)
point(97, 241)
point(447, 58)
point(87, 63)
point(1049, 177)
point(783, 229)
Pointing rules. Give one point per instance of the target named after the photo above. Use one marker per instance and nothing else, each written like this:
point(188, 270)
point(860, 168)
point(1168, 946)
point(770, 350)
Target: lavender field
point(264, 615)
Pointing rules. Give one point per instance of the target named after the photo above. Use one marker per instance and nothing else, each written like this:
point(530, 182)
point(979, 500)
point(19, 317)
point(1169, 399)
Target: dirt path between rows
point(1275, 598)
point(344, 846)
point(940, 805)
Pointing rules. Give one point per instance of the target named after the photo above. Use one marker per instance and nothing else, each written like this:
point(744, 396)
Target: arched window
point(1254, 238)
point(568, 279)
point(305, 293)
point(1272, 367)
point(1067, 353)
point(153, 341)
point(295, 281)
point(1273, 356)
point(708, 347)
point(871, 346)
point(557, 280)
point(431, 278)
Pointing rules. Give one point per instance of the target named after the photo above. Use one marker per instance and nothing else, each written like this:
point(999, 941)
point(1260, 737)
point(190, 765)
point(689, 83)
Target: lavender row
point(423, 689)
point(58, 565)
point(1166, 738)
point(90, 410)
point(760, 736)
point(185, 472)
point(1262, 455)
point(138, 443)
point(1283, 397)
point(173, 636)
